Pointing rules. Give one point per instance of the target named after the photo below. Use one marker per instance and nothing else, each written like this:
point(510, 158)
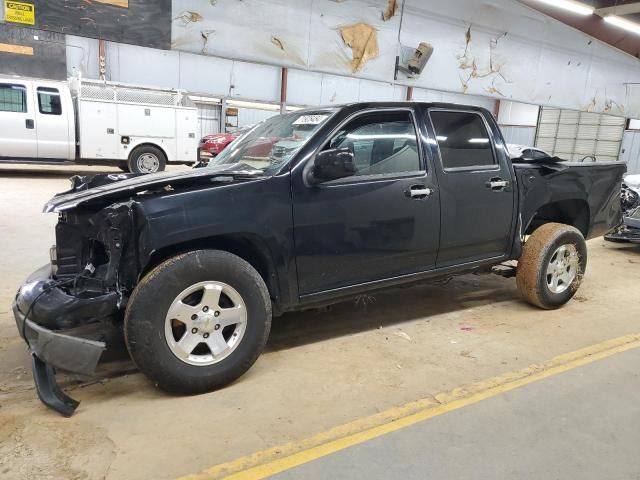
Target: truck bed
point(588, 193)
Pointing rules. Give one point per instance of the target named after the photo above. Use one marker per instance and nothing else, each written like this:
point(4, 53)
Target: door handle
point(29, 123)
point(497, 184)
point(419, 192)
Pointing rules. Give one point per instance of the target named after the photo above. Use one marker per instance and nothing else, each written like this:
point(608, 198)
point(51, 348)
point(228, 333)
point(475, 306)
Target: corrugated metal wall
point(574, 135)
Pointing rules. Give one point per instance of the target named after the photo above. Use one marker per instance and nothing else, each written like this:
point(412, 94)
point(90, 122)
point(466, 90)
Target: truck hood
point(112, 187)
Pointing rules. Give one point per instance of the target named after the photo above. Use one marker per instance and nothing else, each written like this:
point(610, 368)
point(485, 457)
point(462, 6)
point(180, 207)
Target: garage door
point(208, 118)
point(575, 135)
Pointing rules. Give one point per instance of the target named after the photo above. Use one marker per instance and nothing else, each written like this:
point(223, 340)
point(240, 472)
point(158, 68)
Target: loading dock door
point(575, 135)
point(208, 118)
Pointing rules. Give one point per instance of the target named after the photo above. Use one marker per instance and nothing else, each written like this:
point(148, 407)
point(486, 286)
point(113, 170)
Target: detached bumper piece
point(58, 348)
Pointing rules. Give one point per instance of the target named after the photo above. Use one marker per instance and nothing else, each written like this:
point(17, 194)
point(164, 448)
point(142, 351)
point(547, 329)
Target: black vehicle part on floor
point(48, 390)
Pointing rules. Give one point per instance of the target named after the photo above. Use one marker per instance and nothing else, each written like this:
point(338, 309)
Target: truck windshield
point(272, 143)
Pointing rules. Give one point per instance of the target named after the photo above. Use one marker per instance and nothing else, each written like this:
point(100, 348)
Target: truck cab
point(38, 121)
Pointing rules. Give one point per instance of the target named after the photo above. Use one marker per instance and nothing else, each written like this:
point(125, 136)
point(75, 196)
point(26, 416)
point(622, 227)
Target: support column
point(102, 60)
point(409, 94)
point(283, 89)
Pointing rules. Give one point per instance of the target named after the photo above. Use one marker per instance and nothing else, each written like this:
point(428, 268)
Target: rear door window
point(49, 101)
point(463, 140)
point(13, 98)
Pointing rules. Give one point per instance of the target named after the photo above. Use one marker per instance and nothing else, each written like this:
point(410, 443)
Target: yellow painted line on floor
point(279, 459)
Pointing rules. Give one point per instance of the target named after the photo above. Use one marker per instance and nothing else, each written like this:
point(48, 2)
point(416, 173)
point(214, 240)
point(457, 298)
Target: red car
point(212, 145)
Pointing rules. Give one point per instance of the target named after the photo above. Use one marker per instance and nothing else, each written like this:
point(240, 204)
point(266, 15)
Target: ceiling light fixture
point(623, 23)
point(575, 7)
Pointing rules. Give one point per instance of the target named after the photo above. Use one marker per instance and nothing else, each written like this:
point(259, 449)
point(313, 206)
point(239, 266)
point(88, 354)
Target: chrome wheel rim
point(205, 323)
point(563, 268)
point(148, 163)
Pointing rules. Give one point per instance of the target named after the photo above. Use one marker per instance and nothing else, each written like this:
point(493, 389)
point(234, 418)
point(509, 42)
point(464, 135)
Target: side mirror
point(332, 165)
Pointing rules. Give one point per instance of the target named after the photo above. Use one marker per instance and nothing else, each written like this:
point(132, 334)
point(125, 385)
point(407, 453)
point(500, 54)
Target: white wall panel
point(518, 114)
point(519, 135)
point(304, 88)
point(375, 91)
point(255, 82)
point(630, 152)
point(146, 66)
point(336, 90)
point(82, 56)
point(201, 74)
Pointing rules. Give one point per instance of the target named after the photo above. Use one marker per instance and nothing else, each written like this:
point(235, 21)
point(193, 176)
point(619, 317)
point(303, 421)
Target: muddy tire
point(552, 265)
point(198, 321)
point(147, 159)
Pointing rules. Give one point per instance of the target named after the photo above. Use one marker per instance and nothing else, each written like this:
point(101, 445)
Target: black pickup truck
point(306, 209)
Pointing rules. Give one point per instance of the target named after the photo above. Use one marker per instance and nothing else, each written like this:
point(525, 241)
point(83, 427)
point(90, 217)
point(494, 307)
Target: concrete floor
point(320, 369)
point(584, 424)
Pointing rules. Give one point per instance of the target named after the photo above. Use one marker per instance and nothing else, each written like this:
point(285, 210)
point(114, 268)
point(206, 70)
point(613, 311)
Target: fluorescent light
point(622, 23)
point(479, 140)
point(575, 7)
point(442, 139)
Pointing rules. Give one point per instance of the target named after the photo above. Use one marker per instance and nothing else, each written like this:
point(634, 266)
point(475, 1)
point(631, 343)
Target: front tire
point(198, 321)
point(147, 159)
point(552, 265)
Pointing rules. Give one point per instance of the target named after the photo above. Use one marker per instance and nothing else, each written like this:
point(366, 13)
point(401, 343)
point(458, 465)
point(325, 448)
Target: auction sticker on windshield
point(310, 119)
point(19, 12)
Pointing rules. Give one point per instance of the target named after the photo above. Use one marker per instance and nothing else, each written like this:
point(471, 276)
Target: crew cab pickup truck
point(194, 264)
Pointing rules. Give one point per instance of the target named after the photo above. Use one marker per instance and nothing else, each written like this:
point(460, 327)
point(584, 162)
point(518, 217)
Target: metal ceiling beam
point(627, 9)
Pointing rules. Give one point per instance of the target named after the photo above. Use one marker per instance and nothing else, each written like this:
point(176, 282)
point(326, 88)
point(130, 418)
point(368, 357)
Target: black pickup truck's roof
point(397, 104)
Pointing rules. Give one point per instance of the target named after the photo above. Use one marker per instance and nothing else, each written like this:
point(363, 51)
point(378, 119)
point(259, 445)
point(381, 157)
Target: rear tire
point(156, 331)
point(147, 159)
point(552, 265)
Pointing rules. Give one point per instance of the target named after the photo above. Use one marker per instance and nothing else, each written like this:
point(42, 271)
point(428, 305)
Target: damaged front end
point(63, 309)
point(66, 310)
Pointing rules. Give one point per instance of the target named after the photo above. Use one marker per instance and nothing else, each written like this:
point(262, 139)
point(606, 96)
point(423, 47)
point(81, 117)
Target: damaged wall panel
point(302, 34)
point(496, 48)
point(505, 50)
point(32, 53)
point(137, 22)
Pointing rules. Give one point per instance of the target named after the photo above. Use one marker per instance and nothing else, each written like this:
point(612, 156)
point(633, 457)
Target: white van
point(93, 122)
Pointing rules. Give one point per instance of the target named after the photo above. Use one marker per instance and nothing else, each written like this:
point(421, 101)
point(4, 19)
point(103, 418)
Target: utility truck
point(93, 122)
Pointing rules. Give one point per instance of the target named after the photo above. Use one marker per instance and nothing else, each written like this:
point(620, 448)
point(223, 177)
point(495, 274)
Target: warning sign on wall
point(19, 12)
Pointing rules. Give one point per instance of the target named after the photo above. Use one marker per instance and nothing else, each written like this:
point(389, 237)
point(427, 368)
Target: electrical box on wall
point(412, 61)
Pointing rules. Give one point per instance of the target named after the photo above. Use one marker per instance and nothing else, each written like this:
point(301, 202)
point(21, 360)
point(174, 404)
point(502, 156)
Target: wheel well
point(247, 247)
point(570, 212)
point(141, 145)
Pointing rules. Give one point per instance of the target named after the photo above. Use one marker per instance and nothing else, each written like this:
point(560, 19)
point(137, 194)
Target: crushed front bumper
point(58, 348)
